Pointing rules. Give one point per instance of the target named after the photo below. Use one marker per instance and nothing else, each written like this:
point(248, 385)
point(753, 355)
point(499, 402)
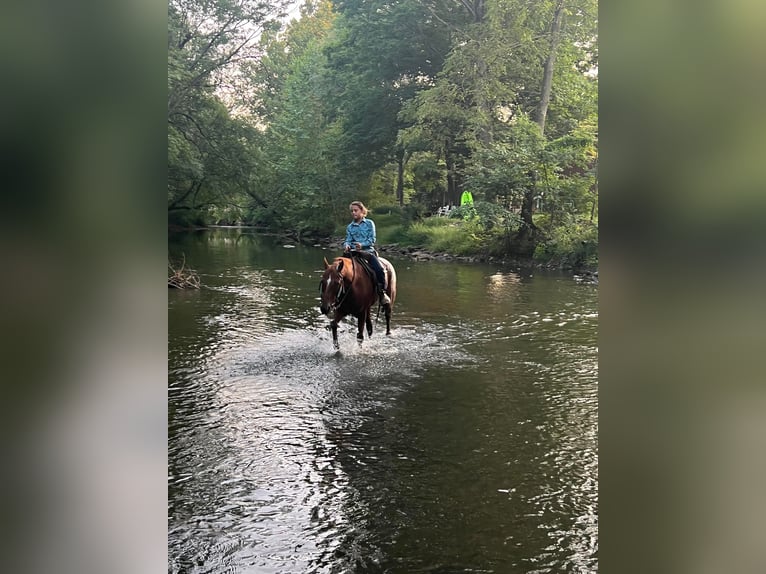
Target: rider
point(360, 237)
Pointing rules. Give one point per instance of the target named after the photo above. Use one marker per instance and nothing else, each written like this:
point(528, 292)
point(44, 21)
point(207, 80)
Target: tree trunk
point(400, 176)
point(528, 203)
point(476, 8)
point(193, 188)
point(483, 133)
point(595, 198)
point(452, 196)
point(545, 92)
point(526, 238)
point(527, 206)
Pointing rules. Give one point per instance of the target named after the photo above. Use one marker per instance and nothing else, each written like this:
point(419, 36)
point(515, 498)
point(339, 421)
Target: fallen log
point(183, 277)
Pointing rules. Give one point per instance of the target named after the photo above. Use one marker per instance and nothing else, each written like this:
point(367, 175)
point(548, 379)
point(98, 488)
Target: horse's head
point(333, 287)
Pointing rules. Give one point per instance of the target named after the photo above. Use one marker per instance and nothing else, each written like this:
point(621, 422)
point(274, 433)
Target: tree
point(207, 147)
point(545, 89)
point(207, 40)
point(303, 171)
point(413, 100)
point(381, 55)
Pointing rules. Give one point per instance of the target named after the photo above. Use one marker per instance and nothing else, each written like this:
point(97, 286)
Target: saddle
point(361, 258)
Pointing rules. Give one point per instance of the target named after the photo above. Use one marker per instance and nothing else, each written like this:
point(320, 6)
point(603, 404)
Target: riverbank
point(421, 254)
point(417, 253)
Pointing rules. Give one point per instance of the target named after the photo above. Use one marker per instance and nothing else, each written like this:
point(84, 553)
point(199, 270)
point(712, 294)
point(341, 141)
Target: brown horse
point(347, 289)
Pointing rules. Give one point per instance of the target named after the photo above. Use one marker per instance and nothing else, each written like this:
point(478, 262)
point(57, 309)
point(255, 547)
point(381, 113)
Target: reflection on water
point(466, 442)
point(502, 286)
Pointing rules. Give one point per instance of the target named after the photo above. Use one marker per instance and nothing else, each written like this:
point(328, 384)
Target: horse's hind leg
point(388, 319)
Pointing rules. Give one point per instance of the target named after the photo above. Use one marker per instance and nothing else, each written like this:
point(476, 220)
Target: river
point(465, 442)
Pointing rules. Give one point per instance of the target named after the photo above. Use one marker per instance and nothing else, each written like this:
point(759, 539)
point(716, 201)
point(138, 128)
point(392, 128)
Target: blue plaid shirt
point(362, 232)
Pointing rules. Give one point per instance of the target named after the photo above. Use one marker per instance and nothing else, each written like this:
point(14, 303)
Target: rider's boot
point(384, 298)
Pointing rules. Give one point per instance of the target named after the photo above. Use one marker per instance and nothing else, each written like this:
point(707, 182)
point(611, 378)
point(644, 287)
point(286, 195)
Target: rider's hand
point(359, 246)
point(346, 248)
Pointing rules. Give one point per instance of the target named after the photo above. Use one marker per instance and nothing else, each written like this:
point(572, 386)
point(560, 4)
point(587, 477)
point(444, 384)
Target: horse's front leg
point(360, 329)
point(334, 328)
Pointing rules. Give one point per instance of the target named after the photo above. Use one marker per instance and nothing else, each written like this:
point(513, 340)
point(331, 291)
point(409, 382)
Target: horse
point(347, 289)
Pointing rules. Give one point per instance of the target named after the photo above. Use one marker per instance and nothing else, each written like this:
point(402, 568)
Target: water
point(466, 442)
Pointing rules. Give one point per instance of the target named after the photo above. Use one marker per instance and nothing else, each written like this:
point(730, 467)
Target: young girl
point(360, 237)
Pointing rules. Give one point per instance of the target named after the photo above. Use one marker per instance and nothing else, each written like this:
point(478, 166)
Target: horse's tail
point(391, 272)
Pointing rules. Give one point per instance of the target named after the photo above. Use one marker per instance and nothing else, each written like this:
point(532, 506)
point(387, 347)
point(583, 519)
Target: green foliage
point(572, 245)
point(389, 224)
point(387, 210)
point(283, 124)
point(212, 154)
point(281, 48)
point(383, 186)
point(506, 169)
point(380, 54)
point(304, 151)
point(188, 219)
point(426, 177)
point(490, 216)
point(494, 225)
point(413, 212)
point(441, 234)
point(314, 225)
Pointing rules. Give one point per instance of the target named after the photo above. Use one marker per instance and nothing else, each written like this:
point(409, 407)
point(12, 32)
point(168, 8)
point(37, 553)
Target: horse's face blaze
point(328, 289)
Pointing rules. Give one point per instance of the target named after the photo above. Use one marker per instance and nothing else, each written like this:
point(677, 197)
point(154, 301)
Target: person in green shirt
point(466, 201)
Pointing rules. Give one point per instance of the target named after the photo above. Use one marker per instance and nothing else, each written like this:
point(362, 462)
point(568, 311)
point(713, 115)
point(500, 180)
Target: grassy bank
point(489, 231)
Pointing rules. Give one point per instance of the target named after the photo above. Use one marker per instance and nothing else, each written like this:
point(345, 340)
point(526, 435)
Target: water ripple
point(466, 442)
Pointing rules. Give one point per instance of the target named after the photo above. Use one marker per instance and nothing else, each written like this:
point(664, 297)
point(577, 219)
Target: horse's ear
point(340, 265)
point(326, 263)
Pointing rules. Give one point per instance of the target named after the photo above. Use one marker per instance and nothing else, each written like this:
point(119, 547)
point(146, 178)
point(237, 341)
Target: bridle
point(343, 291)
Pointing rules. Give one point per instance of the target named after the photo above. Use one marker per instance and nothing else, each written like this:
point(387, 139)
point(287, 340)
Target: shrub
point(188, 218)
point(572, 246)
point(446, 235)
point(315, 228)
point(388, 226)
point(385, 210)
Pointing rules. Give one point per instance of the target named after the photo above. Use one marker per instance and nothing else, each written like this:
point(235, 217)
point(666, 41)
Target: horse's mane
point(346, 269)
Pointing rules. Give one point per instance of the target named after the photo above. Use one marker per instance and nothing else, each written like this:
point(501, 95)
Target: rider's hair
point(360, 205)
